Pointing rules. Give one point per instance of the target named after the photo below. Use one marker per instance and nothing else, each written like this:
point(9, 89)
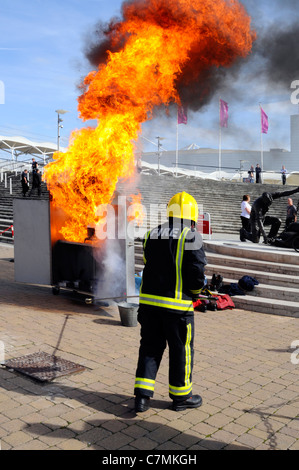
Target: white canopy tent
point(22, 149)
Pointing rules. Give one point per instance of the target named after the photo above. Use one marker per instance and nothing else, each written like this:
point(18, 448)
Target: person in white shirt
point(245, 212)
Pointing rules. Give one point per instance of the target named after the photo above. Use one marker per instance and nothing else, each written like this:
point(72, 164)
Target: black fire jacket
point(174, 268)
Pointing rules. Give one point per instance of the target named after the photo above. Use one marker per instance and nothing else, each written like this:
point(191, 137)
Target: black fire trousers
point(159, 328)
point(269, 221)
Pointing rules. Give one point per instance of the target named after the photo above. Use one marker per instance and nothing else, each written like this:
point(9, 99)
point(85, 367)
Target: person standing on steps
point(172, 277)
point(283, 172)
point(258, 172)
point(251, 174)
point(34, 164)
point(245, 212)
point(25, 182)
point(36, 183)
point(291, 213)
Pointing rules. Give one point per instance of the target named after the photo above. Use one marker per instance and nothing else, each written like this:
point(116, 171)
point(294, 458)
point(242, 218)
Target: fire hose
point(89, 300)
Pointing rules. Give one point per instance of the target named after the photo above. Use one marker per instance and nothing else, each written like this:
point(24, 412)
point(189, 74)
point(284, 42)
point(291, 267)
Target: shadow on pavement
point(114, 423)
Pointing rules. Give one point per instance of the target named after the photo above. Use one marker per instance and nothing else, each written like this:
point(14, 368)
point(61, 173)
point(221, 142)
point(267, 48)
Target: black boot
point(242, 235)
point(213, 281)
point(212, 306)
point(192, 402)
point(141, 403)
point(219, 280)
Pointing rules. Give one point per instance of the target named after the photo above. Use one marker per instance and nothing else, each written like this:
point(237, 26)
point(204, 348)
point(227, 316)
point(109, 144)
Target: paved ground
point(244, 370)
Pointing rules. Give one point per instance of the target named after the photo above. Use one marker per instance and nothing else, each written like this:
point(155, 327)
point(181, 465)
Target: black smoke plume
point(280, 52)
point(274, 58)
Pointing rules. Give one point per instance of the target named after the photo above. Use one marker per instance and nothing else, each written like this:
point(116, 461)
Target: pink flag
point(223, 113)
point(264, 121)
point(182, 115)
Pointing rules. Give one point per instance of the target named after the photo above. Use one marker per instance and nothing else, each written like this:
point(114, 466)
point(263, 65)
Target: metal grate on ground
point(43, 367)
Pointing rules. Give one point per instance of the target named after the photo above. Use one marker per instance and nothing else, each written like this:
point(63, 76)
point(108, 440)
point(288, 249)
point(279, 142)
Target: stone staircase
point(277, 272)
point(6, 214)
point(6, 204)
point(221, 199)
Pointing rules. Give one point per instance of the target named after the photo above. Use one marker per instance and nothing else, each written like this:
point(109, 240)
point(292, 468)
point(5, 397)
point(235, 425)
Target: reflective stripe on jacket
point(174, 268)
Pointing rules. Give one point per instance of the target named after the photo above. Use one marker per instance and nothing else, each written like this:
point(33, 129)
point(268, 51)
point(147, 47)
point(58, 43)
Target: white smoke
point(112, 280)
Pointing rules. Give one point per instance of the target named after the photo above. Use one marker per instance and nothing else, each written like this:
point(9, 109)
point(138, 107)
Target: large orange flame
point(136, 209)
point(157, 39)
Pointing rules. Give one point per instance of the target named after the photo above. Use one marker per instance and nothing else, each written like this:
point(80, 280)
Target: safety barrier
point(204, 224)
point(3, 223)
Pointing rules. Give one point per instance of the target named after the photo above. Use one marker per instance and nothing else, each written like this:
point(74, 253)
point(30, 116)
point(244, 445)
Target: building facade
point(207, 160)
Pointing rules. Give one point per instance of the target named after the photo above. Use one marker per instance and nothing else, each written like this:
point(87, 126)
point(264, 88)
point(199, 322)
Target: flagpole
point(220, 143)
point(262, 149)
point(177, 143)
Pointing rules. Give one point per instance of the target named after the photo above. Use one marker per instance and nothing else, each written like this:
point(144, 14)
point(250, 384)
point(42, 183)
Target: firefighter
point(172, 278)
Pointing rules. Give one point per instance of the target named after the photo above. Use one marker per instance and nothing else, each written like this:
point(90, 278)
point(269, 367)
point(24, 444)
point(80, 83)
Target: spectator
point(259, 219)
point(258, 172)
point(245, 212)
point(25, 182)
point(250, 174)
point(291, 213)
point(283, 172)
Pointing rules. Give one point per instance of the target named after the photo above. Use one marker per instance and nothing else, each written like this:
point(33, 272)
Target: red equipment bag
point(224, 301)
point(197, 303)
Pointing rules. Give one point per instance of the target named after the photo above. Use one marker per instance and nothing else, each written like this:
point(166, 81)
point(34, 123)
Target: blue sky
point(42, 62)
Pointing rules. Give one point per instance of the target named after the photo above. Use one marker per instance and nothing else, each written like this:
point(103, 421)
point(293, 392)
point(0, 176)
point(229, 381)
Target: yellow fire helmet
point(183, 206)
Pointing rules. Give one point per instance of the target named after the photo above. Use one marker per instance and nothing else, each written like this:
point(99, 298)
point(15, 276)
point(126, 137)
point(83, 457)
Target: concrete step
point(262, 277)
point(252, 264)
point(278, 289)
point(251, 251)
point(6, 240)
point(268, 291)
point(138, 268)
point(264, 299)
point(285, 286)
point(264, 305)
point(276, 270)
point(6, 215)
